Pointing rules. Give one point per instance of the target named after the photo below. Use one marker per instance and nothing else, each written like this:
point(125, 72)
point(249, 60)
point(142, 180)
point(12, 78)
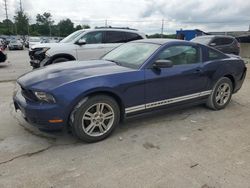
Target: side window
point(132, 36)
point(114, 37)
point(93, 37)
point(227, 41)
point(180, 54)
point(213, 55)
point(222, 41)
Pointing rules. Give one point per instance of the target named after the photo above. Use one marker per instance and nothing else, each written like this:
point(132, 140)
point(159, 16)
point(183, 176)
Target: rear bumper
point(238, 85)
point(40, 115)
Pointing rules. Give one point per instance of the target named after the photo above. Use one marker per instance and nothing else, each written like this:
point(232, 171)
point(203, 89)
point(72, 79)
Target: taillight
point(238, 44)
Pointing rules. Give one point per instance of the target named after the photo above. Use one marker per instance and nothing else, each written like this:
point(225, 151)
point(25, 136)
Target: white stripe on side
point(166, 102)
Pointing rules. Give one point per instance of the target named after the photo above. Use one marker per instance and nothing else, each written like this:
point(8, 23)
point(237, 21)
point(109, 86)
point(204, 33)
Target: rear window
point(222, 41)
point(213, 55)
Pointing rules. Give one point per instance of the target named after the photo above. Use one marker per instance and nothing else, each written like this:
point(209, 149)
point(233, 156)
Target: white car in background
point(83, 44)
point(33, 41)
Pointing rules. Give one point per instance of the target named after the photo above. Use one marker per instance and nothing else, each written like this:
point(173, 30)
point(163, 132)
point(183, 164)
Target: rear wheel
point(96, 118)
point(221, 94)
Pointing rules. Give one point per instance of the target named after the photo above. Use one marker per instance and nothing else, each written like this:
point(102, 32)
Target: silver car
point(15, 45)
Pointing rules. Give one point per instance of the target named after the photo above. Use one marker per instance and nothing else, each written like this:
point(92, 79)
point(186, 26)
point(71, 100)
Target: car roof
point(214, 36)
point(161, 41)
point(112, 29)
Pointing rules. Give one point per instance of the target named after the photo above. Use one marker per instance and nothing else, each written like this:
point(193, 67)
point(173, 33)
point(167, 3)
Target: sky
point(145, 15)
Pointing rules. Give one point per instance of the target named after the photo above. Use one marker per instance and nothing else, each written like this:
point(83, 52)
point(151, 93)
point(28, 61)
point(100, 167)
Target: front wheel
point(96, 118)
point(60, 60)
point(221, 94)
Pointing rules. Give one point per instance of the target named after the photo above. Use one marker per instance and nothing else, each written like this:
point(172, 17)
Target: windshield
point(34, 39)
point(131, 55)
point(202, 40)
point(72, 36)
point(15, 42)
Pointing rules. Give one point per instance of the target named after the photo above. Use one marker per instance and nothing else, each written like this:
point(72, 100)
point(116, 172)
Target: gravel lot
point(194, 147)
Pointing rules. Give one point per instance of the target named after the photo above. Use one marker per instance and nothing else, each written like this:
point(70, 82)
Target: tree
point(21, 23)
point(78, 27)
point(65, 27)
point(44, 23)
point(6, 27)
point(85, 26)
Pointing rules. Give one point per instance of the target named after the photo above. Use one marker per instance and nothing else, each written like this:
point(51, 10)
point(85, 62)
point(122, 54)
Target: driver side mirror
point(81, 42)
point(162, 63)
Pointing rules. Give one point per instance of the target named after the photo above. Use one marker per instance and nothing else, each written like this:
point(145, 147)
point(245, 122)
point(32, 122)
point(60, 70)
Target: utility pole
point(49, 30)
point(106, 23)
point(21, 7)
point(162, 27)
point(6, 14)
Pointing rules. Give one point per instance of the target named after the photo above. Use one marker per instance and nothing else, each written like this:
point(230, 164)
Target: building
point(189, 34)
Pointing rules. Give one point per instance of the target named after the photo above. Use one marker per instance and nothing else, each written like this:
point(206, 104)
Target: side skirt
point(167, 102)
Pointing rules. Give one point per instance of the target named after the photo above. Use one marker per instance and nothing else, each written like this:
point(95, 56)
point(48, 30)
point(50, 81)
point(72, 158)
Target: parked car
point(92, 97)
point(15, 45)
point(3, 55)
point(224, 43)
point(33, 41)
point(2, 44)
point(82, 45)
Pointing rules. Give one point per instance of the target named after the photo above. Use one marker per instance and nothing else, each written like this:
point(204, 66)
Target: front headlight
point(44, 50)
point(45, 97)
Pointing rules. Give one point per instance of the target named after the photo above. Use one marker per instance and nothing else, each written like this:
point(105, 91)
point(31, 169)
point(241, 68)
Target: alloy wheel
point(223, 94)
point(98, 119)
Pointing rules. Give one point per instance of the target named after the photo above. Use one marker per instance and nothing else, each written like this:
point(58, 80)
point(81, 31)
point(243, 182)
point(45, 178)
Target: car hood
point(55, 75)
point(50, 45)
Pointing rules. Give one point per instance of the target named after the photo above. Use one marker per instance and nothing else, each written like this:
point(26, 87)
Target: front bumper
point(37, 58)
point(39, 114)
point(16, 47)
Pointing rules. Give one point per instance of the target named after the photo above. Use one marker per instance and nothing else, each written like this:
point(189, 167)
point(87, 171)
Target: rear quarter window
point(132, 36)
point(213, 55)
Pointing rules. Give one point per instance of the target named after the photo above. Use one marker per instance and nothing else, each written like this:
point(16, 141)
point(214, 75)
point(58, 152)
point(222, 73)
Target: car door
point(185, 79)
point(93, 49)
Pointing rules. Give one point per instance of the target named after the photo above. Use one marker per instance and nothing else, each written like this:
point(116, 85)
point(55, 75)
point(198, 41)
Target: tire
point(87, 114)
point(59, 60)
point(221, 94)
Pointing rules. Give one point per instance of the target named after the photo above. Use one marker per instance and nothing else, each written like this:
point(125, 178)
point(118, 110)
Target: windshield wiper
point(116, 62)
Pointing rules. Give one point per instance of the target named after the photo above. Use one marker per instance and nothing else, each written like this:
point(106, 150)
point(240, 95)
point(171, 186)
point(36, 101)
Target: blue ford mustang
point(93, 96)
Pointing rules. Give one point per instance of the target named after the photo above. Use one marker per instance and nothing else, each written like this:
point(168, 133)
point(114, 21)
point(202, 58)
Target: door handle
point(198, 71)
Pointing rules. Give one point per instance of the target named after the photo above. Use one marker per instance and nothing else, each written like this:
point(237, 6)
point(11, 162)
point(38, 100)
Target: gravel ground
point(193, 147)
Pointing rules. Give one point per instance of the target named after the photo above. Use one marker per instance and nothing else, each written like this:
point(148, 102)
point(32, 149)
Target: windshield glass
point(72, 36)
point(34, 39)
point(202, 40)
point(131, 55)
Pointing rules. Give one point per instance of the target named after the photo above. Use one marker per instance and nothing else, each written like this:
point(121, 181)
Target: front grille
point(28, 94)
point(37, 54)
point(31, 54)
